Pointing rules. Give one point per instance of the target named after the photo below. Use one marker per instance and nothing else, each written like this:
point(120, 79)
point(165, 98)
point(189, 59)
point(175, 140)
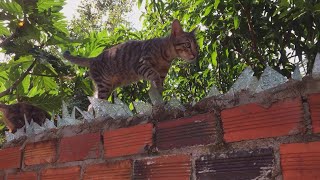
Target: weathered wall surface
point(269, 135)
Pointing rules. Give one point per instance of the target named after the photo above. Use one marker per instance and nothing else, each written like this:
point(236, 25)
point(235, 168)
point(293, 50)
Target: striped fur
point(135, 60)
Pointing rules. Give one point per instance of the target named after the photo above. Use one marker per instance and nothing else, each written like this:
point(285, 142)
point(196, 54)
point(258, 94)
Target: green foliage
point(31, 31)
point(236, 34)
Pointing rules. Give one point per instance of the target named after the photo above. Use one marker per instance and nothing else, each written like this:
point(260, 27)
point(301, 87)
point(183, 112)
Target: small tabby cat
point(135, 60)
point(14, 115)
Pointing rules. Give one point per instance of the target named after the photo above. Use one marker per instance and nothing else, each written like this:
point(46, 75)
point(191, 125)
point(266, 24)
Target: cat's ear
point(176, 28)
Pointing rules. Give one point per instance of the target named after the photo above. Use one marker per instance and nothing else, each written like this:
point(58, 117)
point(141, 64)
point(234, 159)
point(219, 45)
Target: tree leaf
point(139, 3)
point(44, 5)
point(214, 58)
point(3, 29)
point(236, 22)
point(216, 4)
point(12, 8)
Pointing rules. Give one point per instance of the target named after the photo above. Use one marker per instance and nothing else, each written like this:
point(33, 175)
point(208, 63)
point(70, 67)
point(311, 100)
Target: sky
point(69, 11)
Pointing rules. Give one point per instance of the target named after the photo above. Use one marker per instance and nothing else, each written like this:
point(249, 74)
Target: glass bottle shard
point(87, 115)
point(316, 67)
point(155, 96)
point(124, 106)
point(143, 108)
point(36, 127)
point(296, 73)
point(65, 112)
point(270, 78)
point(99, 106)
point(29, 129)
point(104, 108)
point(67, 119)
point(20, 132)
point(246, 81)
point(48, 124)
point(213, 91)
point(174, 103)
point(9, 136)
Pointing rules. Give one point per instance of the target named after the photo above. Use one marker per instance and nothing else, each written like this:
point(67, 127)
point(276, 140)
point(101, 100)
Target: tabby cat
point(14, 115)
point(135, 60)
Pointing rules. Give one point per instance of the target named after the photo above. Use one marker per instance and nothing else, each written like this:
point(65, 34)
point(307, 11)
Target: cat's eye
point(187, 45)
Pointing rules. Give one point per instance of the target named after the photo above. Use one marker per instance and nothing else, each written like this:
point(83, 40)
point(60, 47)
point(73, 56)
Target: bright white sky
point(69, 11)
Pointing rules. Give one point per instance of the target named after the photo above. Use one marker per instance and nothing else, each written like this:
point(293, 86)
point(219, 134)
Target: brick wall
point(278, 139)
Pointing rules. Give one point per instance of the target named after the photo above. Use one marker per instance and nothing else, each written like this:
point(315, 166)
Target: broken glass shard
point(99, 106)
point(65, 112)
point(316, 67)
point(155, 96)
point(296, 73)
point(246, 81)
point(124, 106)
point(143, 108)
point(67, 121)
point(270, 78)
point(9, 136)
point(20, 132)
point(36, 127)
point(29, 129)
point(32, 127)
point(104, 108)
point(213, 91)
point(48, 124)
point(87, 115)
point(174, 103)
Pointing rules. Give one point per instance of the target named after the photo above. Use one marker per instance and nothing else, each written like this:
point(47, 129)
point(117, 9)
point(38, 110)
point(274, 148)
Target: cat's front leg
point(146, 70)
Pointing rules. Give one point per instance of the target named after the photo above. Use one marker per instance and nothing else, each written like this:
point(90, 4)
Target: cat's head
point(185, 43)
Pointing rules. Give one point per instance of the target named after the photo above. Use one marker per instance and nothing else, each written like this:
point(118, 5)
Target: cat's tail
point(81, 61)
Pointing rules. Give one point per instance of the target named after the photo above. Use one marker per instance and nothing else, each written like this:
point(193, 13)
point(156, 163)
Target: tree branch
point(18, 81)
point(253, 35)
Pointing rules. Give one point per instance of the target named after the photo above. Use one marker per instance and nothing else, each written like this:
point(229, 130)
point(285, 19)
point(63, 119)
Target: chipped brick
point(241, 164)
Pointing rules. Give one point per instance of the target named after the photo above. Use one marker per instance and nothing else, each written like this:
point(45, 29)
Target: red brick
point(300, 161)
point(252, 121)
point(23, 176)
point(80, 147)
point(314, 104)
point(120, 170)
point(10, 158)
point(164, 167)
point(190, 131)
point(67, 173)
point(40, 153)
point(127, 141)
